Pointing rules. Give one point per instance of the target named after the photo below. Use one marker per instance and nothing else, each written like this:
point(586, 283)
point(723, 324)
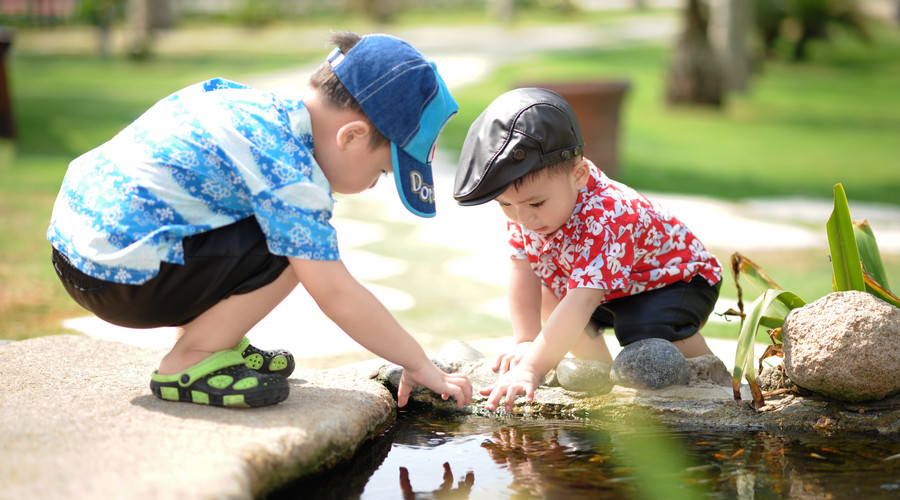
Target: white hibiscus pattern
point(616, 240)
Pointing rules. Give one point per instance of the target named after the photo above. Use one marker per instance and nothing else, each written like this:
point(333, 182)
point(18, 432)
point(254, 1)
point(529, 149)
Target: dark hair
point(333, 91)
point(560, 167)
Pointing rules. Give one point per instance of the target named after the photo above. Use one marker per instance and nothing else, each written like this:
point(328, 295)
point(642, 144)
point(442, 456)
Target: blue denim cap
point(405, 98)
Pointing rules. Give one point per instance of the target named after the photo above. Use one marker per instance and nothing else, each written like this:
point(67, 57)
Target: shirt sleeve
point(516, 241)
point(296, 221)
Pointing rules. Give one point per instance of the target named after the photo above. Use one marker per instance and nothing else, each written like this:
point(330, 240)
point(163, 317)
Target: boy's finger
point(497, 361)
point(494, 398)
point(504, 365)
point(511, 394)
point(486, 391)
point(402, 393)
point(467, 390)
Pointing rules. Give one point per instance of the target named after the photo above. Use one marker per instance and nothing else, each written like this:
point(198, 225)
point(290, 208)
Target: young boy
point(589, 252)
point(211, 207)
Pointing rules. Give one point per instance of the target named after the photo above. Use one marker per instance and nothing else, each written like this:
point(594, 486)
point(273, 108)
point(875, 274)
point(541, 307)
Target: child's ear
point(353, 133)
point(581, 173)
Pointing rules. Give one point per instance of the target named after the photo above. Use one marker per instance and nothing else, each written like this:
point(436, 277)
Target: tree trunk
point(502, 11)
point(7, 123)
point(730, 28)
point(695, 75)
point(140, 31)
point(105, 17)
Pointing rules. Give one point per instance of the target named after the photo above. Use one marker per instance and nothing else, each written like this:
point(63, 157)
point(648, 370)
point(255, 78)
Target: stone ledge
point(77, 420)
point(701, 403)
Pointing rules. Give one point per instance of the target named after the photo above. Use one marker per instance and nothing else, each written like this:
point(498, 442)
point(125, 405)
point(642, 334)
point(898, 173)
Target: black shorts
point(227, 261)
point(674, 312)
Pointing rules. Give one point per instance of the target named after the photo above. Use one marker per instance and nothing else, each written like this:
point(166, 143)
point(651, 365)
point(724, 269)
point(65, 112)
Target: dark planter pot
point(7, 126)
point(596, 105)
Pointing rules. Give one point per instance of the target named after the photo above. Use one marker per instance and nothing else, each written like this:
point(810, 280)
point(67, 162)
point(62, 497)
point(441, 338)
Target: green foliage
point(801, 124)
point(798, 22)
point(868, 252)
point(100, 12)
point(842, 243)
point(257, 13)
point(848, 274)
point(743, 359)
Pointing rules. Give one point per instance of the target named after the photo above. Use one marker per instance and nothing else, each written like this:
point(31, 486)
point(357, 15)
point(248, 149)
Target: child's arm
point(524, 310)
point(349, 304)
point(559, 334)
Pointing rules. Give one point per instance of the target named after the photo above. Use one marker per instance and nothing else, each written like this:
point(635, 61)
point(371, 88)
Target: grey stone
point(584, 375)
point(649, 364)
point(389, 374)
point(773, 378)
point(708, 368)
point(700, 403)
point(77, 420)
point(458, 351)
point(845, 346)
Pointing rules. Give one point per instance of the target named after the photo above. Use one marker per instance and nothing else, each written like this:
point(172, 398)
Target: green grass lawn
point(800, 130)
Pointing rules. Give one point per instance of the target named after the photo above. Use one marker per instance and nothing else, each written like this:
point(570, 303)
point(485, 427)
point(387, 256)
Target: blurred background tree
point(695, 73)
point(799, 22)
point(792, 131)
point(102, 14)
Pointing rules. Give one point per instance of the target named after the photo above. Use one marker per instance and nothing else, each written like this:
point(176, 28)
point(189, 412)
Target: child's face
point(544, 203)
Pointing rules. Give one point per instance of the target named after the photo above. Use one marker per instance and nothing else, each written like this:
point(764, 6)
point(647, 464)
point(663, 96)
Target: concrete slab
point(77, 420)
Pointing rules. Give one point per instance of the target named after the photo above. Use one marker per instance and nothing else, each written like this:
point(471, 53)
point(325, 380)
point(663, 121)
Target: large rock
point(77, 420)
point(845, 346)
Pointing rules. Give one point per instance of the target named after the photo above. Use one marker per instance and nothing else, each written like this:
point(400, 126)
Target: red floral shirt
point(616, 240)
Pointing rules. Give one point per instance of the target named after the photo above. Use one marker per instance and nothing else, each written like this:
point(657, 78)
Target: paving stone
point(77, 420)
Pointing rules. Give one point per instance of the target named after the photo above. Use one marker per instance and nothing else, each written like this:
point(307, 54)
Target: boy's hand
point(510, 385)
point(448, 385)
point(507, 360)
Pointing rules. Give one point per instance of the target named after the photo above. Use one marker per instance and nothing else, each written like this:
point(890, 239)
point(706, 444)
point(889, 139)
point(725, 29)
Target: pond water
point(486, 457)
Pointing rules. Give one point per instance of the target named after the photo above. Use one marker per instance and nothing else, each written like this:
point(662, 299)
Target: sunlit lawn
point(800, 130)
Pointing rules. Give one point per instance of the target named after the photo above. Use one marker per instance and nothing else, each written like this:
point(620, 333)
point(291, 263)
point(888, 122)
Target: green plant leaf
point(754, 273)
point(741, 265)
point(842, 243)
point(882, 293)
point(868, 252)
point(743, 359)
point(771, 321)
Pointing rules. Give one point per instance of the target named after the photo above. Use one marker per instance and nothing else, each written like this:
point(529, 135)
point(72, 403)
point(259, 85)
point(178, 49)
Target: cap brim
point(414, 181)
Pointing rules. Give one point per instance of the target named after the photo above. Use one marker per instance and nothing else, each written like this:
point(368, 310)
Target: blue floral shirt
point(206, 156)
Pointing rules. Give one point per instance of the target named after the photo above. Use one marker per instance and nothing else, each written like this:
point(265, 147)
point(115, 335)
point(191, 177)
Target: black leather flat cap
point(520, 132)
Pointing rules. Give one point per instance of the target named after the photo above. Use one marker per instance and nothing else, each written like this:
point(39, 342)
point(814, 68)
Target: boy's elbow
point(586, 298)
point(327, 282)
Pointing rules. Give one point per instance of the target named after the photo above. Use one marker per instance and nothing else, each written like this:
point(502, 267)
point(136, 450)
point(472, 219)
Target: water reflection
point(459, 457)
point(553, 462)
point(445, 491)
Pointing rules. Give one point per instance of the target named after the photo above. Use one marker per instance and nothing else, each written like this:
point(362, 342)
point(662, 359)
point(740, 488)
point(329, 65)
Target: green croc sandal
point(279, 362)
point(222, 379)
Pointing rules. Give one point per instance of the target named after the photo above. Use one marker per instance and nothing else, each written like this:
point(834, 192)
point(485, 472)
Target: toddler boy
point(589, 252)
point(211, 207)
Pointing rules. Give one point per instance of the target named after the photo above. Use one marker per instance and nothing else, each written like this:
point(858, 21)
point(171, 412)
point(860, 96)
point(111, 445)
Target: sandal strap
point(216, 361)
point(242, 345)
